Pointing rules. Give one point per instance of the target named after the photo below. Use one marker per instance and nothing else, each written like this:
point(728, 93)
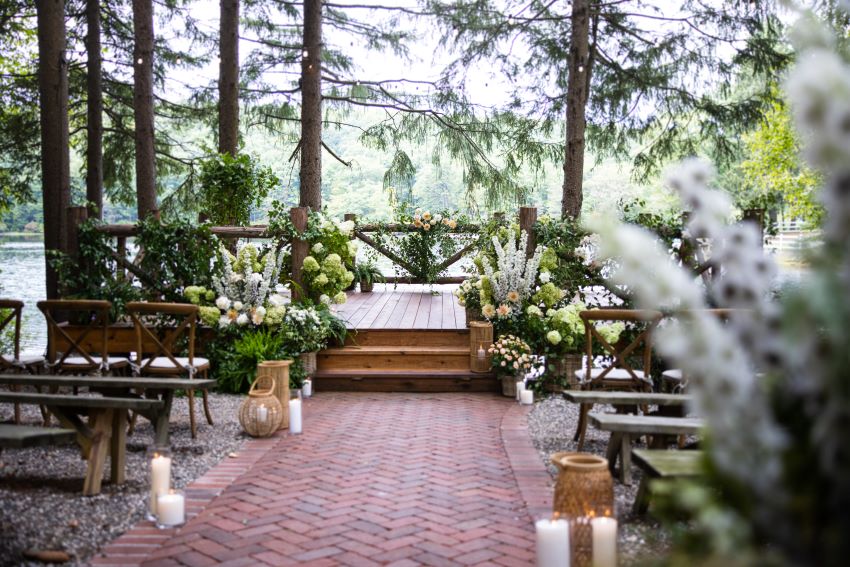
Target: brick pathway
point(376, 479)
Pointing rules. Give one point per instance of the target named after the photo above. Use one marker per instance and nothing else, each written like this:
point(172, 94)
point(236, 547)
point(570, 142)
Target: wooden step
point(409, 337)
point(405, 381)
point(397, 358)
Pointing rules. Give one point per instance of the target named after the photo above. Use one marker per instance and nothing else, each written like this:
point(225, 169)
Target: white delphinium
point(513, 271)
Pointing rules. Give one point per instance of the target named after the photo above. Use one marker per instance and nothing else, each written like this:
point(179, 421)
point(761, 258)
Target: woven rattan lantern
point(260, 414)
point(584, 490)
point(480, 341)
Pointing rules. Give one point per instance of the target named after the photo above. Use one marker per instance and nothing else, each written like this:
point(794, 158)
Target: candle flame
point(556, 516)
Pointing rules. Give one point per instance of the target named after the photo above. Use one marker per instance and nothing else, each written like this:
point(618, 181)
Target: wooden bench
point(660, 464)
point(25, 436)
point(103, 432)
point(669, 404)
point(161, 389)
point(624, 428)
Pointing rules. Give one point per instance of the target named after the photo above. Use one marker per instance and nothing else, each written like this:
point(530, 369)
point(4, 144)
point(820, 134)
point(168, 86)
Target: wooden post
point(300, 250)
point(121, 248)
point(685, 247)
point(527, 218)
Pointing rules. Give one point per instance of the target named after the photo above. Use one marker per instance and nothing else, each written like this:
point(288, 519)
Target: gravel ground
point(41, 501)
point(552, 423)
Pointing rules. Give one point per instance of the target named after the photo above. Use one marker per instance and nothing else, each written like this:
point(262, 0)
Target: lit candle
point(295, 416)
point(160, 478)
point(520, 388)
point(307, 388)
point(604, 542)
point(171, 509)
point(553, 543)
point(262, 414)
point(526, 397)
point(482, 354)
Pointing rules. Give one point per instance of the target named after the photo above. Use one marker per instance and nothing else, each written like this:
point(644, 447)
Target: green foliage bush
point(230, 186)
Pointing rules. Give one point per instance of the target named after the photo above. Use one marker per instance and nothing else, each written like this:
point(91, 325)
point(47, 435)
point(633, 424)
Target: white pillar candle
point(295, 416)
point(170, 509)
point(553, 543)
point(160, 478)
point(262, 414)
point(482, 354)
point(520, 388)
point(604, 542)
point(526, 397)
point(307, 388)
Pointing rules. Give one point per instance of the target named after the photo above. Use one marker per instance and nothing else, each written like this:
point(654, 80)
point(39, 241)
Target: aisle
point(375, 479)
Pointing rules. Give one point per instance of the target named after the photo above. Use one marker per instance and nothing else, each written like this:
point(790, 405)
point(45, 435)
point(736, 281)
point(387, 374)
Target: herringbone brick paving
point(376, 479)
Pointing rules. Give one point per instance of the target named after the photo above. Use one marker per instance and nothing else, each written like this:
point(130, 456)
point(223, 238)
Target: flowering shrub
point(511, 355)
point(326, 271)
point(469, 293)
point(304, 328)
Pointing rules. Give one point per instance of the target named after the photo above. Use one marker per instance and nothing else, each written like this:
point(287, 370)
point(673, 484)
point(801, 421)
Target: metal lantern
point(261, 413)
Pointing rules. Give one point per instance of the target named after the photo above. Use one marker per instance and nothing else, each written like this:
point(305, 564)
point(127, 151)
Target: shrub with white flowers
point(245, 285)
point(326, 270)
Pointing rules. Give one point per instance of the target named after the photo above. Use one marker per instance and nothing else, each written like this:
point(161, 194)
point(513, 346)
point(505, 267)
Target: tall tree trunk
point(228, 78)
point(143, 107)
point(311, 107)
point(94, 107)
point(53, 106)
point(577, 95)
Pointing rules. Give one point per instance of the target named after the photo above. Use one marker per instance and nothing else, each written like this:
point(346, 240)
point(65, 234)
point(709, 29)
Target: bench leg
point(118, 447)
point(101, 434)
point(625, 459)
point(641, 504)
point(160, 423)
point(613, 449)
point(581, 428)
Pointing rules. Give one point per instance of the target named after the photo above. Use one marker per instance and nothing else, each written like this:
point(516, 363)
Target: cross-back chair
point(159, 347)
point(86, 351)
point(620, 374)
point(11, 311)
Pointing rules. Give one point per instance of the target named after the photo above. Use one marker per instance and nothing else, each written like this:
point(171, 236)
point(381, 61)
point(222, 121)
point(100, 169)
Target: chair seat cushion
point(615, 374)
point(672, 375)
point(24, 359)
point(81, 361)
point(163, 362)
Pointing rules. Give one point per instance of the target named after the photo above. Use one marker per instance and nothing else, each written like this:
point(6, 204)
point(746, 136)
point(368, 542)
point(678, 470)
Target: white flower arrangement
point(513, 274)
point(245, 284)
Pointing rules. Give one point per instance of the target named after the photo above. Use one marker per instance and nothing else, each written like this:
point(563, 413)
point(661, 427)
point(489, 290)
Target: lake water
point(22, 277)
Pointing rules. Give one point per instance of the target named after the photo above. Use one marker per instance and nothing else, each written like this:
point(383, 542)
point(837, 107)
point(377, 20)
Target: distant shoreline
point(26, 235)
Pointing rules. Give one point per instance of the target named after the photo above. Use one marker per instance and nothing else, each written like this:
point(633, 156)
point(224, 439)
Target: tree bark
point(228, 78)
point(94, 107)
point(311, 107)
point(53, 108)
point(577, 95)
point(143, 107)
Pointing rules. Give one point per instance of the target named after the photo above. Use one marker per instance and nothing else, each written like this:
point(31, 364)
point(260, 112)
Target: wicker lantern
point(260, 414)
point(279, 370)
point(584, 490)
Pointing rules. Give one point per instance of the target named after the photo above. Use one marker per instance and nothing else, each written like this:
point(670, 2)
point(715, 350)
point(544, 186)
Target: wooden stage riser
point(412, 337)
point(430, 385)
point(398, 362)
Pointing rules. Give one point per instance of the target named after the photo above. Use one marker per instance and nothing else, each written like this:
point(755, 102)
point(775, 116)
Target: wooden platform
point(405, 306)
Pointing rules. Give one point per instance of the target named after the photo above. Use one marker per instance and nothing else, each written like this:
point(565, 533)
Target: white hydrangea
point(222, 303)
point(238, 305)
point(242, 319)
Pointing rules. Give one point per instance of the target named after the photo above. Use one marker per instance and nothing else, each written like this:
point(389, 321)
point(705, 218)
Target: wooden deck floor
point(404, 306)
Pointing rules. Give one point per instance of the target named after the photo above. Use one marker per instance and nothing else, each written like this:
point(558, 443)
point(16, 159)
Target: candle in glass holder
point(262, 414)
point(604, 541)
point(170, 509)
point(307, 388)
point(553, 543)
point(295, 416)
point(482, 354)
point(526, 397)
point(160, 478)
point(520, 388)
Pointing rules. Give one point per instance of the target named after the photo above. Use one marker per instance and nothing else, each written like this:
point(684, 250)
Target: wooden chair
point(11, 311)
point(158, 348)
point(619, 375)
point(85, 352)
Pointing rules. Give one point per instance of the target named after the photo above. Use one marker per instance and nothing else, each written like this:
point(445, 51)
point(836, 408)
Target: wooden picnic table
point(624, 428)
point(105, 430)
